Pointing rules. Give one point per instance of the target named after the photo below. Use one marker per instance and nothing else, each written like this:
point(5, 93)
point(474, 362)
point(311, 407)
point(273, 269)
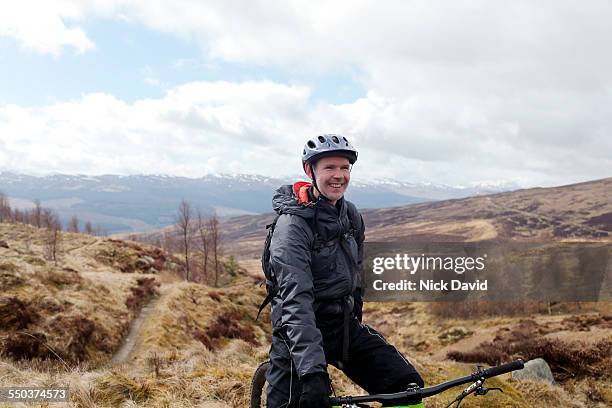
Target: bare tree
point(100, 232)
point(88, 229)
point(215, 243)
point(53, 234)
point(73, 224)
point(204, 242)
point(157, 241)
point(183, 219)
point(37, 214)
point(168, 242)
point(19, 216)
point(5, 208)
point(47, 217)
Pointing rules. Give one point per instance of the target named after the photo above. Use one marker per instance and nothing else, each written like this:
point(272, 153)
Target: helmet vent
point(322, 139)
point(311, 144)
point(335, 139)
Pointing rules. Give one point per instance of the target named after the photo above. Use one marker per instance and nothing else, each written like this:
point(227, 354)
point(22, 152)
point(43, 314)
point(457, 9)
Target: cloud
point(41, 26)
point(259, 127)
point(456, 91)
point(195, 128)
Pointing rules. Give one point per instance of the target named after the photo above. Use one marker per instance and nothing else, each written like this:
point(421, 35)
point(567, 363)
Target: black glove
point(315, 391)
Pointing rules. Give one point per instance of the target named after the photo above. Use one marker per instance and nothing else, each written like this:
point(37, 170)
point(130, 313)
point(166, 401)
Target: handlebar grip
point(503, 369)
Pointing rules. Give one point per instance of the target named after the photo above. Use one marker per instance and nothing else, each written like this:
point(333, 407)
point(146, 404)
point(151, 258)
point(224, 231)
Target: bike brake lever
point(484, 391)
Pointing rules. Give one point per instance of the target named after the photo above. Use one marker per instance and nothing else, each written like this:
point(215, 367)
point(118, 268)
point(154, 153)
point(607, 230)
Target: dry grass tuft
point(10, 276)
point(60, 278)
point(216, 296)
point(116, 388)
point(544, 394)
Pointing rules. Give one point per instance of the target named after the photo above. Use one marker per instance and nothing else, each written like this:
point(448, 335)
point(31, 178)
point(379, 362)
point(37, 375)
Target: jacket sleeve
point(290, 256)
point(358, 295)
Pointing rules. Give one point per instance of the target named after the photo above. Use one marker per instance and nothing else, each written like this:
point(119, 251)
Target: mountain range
point(136, 203)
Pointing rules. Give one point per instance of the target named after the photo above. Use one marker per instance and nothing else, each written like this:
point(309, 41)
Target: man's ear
point(308, 170)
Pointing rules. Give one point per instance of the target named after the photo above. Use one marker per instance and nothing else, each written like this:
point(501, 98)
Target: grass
point(82, 309)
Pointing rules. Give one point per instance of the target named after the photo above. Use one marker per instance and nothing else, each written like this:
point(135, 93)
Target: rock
point(537, 369)
point(148, 260)
point(142, 265)
point(4, 244)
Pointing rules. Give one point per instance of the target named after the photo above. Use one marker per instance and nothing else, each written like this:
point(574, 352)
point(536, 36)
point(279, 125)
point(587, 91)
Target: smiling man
point(316, 253)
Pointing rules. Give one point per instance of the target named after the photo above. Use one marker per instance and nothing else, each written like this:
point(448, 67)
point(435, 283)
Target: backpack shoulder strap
point(271, 286)
point(355, 220)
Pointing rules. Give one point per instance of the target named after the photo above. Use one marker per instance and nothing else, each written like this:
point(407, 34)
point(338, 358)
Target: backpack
point(317, 245)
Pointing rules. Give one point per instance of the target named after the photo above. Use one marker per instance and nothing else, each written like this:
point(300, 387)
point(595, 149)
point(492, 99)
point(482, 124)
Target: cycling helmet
point(328, 145)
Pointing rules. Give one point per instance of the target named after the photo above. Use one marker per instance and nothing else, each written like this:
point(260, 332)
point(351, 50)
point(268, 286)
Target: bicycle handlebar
point(418, 393)
point(503, 369)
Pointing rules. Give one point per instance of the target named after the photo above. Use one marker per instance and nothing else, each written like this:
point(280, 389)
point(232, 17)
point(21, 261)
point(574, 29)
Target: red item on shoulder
point(300, 189)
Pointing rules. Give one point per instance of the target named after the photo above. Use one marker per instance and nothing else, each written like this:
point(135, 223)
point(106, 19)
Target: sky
point(450, 92)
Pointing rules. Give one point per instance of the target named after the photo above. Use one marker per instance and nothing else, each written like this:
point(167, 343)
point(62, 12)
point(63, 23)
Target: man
point(316, 254)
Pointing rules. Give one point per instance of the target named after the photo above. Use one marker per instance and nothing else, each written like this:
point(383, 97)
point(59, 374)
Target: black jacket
point(316, 254)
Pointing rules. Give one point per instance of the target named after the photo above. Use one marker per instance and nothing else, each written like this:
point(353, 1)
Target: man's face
point(333, 174)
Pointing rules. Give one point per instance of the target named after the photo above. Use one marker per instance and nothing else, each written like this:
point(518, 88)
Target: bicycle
point(413, 394)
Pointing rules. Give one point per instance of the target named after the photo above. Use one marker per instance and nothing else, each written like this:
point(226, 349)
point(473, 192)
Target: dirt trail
point(130, 343)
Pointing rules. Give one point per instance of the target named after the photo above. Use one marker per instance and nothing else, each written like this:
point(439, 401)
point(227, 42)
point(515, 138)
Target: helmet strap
point(314, 182)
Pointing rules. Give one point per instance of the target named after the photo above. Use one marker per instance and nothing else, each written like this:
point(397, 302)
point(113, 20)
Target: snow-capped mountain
point(141, 202)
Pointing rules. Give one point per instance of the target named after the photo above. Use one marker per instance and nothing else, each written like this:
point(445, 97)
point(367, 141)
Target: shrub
point(76, 332)
point(21, 345)
point(15, 314)
point(227, 325)
point(479, 309)
point(231, 266)
point(566, 359)
point(145, 289)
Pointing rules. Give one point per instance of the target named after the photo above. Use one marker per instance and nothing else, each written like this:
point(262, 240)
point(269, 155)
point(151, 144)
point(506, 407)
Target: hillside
point(198, 345)
point(77, 309)
point(578, 211)
point(113, 321)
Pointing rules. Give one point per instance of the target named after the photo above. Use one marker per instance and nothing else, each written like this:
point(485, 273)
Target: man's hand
point(315, 391)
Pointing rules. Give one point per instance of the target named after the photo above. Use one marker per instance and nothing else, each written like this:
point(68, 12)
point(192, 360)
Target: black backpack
point(318, 244)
